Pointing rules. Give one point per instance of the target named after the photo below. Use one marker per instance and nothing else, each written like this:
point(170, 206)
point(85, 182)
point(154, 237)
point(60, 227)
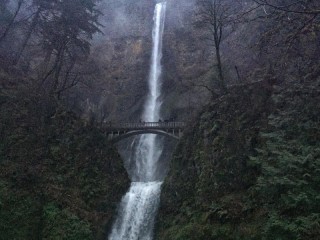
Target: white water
point(139, 206)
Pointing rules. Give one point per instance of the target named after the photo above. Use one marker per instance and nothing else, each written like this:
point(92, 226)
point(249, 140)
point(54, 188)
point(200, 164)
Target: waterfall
point(139, 206)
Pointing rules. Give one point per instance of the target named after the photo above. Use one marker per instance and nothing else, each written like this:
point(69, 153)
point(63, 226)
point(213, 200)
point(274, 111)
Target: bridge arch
point(118, 131)
point(118, 137)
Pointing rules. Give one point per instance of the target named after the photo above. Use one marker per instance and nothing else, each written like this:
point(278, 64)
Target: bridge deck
point(144, 125)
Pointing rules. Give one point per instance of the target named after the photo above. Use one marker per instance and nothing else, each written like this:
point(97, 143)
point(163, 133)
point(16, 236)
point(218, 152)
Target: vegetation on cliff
point(59, 178)
point(248, 168)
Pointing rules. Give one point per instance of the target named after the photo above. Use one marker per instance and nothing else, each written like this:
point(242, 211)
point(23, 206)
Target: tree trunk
point(28, 36)
point(57, 71)
point(220, 71)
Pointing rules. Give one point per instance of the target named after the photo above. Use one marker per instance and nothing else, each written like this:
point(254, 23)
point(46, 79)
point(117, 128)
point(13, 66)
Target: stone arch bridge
point(119, 131)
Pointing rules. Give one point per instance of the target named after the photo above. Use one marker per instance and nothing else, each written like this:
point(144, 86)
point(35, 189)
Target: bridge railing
point(143, 125)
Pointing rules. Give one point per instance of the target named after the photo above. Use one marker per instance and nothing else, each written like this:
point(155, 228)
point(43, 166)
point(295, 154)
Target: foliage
point(21, 219)
point(59, 177)
point(16, 214)
point(289, 161)
point(61, 30)
point(248, 169)
point(64, 225)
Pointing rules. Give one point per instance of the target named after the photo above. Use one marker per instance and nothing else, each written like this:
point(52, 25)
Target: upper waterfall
point(153, 104)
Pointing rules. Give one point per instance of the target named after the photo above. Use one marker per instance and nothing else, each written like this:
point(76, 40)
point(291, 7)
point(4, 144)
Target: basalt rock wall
point(122, 57)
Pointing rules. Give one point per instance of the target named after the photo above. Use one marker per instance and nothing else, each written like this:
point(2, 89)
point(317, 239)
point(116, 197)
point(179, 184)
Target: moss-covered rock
point(248, 168)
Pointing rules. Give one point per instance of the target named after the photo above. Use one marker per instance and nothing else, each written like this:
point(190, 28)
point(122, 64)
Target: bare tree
point(214, 15)
point(290, 32)
point(308, 7)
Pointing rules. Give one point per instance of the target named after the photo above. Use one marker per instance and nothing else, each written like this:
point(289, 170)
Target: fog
point(122, 18)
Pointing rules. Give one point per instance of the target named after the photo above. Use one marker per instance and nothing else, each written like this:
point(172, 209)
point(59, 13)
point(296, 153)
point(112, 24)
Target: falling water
point(138, 207)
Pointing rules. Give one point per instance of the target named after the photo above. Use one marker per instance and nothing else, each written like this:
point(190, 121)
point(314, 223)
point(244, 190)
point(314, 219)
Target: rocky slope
point(248, 168)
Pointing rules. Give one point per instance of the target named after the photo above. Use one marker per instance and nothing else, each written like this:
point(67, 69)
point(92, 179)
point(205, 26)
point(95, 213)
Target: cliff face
point(247, 168)
point(121, 58)
point(123, 72)
point(187, 62)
